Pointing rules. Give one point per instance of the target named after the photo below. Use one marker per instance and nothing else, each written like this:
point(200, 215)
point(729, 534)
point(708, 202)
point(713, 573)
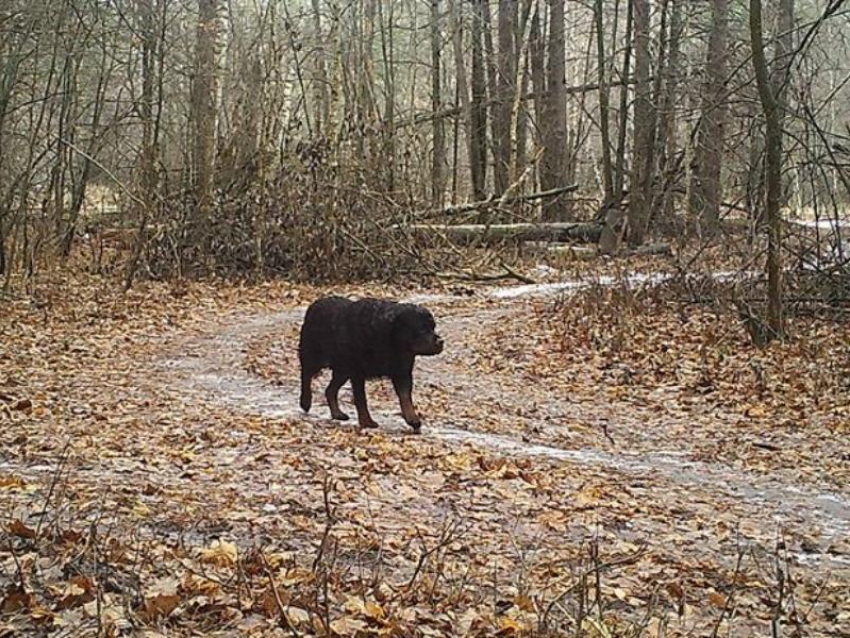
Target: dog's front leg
point(403, 385)
point(358, 385)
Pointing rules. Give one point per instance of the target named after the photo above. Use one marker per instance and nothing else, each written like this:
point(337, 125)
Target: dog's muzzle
point(438, 344)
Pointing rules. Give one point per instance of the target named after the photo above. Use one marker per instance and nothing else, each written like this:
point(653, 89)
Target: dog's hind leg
point(358, 384)
point(332, 394)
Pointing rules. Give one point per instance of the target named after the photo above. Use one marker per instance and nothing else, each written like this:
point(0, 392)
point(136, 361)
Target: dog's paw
point(340, 416)
point(415, 423)
point(306, 402)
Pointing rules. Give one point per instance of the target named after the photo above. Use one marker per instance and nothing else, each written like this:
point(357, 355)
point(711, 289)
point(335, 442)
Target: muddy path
point(211, 368)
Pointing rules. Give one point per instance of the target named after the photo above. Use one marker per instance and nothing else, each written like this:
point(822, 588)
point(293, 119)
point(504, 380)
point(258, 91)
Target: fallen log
point(487, 233)
point(660, 248)
point(495, 202)
point(569, 252)
point(589, 251)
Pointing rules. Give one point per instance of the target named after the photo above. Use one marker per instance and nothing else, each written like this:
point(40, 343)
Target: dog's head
point(415, 330)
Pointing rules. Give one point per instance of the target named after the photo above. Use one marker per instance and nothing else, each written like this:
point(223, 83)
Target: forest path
point(522, 419)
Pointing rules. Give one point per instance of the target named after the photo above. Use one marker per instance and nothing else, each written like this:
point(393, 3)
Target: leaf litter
point(156, 477)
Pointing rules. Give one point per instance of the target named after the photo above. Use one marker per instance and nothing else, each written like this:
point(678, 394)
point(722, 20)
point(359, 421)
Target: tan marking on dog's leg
point(332, 395)
point(363, 417)
point(407, 409)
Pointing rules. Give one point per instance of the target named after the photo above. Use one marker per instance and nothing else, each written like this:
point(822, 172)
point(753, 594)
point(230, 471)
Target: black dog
point(365, 339)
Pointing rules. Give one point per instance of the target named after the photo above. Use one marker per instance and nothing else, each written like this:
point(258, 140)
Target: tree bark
point(773, 170)
point(706, 191)
point(204, 109)
point(554, 125)
point(639, 195)
point(320, 82)
point(478, 112)
point(552, 231)
point(438, 159)
point(461, 91)
point(620, 162)
point(537, 55)
point(667, 126)
point(604, 107)
point(505, 86)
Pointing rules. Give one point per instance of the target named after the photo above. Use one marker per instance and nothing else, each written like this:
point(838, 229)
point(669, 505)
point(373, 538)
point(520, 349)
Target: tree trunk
point(667, 125)
point(620, 163)
point(388, 156)
point(505, 82)
point(604, 107)
point(706, 188)
point(204, 109)
point(438, 159)
point(773, 170)
point(321, 94)
point(519, 116)
point(639, 191)
point(478, 112)
point(554, 125)
point(461, 93)
point(537, 59)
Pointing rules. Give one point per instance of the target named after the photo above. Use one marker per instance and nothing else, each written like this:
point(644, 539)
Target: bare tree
point(438, 159)
point(504, 91)
point(642, 138)
point(204, 113)
point(705, 192)
point(625, 70)
point(554, 125)
point(478, 115)
point(604, 107)
point(773, 169)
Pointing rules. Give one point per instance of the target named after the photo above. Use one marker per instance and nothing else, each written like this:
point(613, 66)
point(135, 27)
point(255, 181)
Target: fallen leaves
point(199, 489)
point(19, 529)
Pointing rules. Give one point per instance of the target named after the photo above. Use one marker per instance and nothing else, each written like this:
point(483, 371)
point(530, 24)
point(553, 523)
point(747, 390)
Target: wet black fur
point(365, 339)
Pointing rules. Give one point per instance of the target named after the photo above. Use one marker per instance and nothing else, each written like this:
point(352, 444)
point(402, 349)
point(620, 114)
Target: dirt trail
point(212, 368)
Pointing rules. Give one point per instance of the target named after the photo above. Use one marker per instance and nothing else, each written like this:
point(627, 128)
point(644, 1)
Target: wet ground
point(186, 435)
point(212, 368)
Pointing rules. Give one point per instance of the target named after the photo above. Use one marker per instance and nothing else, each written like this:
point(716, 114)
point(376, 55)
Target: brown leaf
point(221, 554)
point(717, 599)
point(15, 600)
point(347, 626)
point(79, 591)
point(11, 482)
point(160, 606)
point(17, 528)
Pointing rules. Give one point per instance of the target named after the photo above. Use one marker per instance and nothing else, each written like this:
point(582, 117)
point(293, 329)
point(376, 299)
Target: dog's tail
point(306, 399)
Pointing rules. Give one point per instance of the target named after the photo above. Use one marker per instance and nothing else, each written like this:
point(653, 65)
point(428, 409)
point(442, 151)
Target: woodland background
point(629, 218)
point(262, 137)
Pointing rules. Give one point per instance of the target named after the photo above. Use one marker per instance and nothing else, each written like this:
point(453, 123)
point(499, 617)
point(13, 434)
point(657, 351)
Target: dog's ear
point(405, 323)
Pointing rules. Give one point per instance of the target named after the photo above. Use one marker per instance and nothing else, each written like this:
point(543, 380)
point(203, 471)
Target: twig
point(625, 560)
point(18, 567)
point(517, 275)
point(284, 617)
point(329, 522)
point(730, 598)
point(63, 456)
point(447, 535)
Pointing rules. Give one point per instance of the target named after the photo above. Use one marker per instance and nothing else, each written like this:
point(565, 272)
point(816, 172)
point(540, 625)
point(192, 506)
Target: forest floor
point(593, 457)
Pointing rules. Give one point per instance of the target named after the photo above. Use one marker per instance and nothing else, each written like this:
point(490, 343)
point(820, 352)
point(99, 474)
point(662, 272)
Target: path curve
point(211, 368)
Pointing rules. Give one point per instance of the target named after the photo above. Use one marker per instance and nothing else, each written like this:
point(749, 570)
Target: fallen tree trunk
point(555, 232)
point(589, 251)
point(497, 201)
point(577, 252)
